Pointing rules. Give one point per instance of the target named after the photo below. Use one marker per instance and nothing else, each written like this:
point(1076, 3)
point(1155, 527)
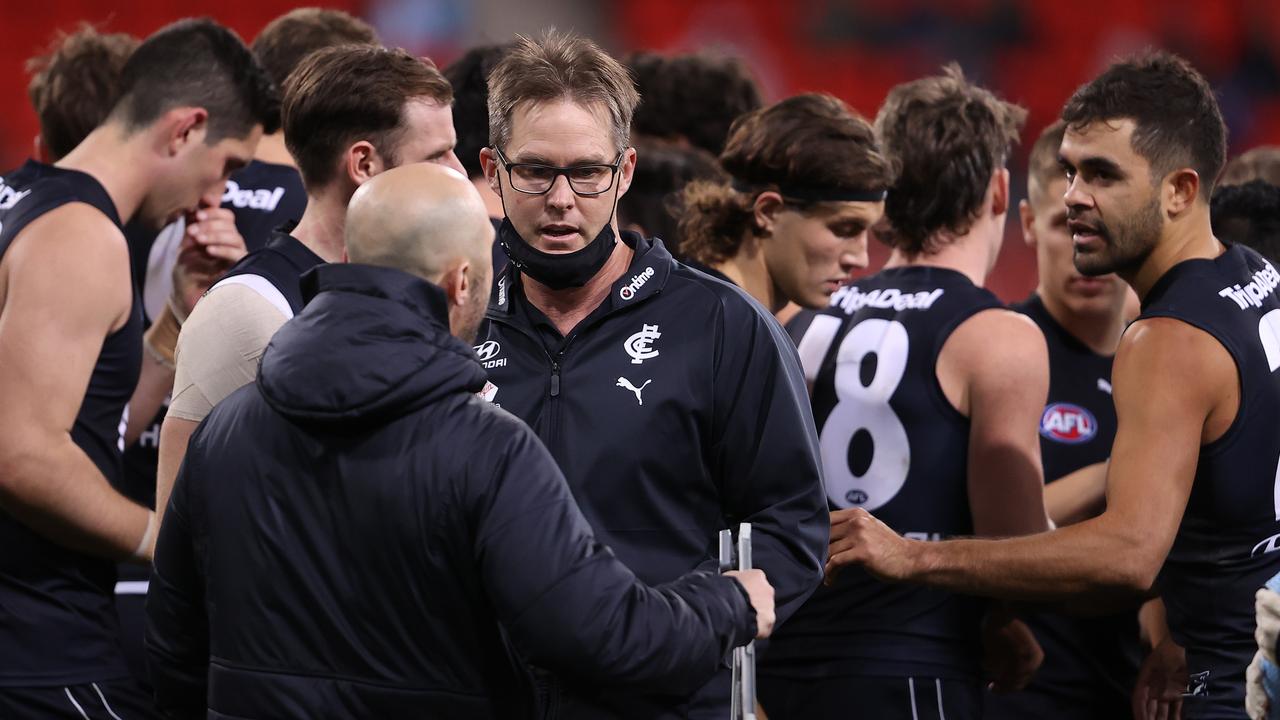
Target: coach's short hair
point(286, 41)
point(1042, 164)
point(810, 140)
point(692, 98)
point(945, 138)
point(197, 63)
point(555, 66)
point(341, 95)
point(76, 83)
point(1177, 122)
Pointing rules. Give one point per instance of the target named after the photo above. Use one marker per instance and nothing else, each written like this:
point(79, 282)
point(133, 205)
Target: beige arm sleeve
point(219, 348)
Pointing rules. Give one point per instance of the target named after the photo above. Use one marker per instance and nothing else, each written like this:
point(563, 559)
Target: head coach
point(672, 402)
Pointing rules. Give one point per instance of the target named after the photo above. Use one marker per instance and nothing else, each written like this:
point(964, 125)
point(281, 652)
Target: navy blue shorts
point(106, 700)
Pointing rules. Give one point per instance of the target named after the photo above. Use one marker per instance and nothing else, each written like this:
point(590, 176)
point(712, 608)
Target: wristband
point(143, 551)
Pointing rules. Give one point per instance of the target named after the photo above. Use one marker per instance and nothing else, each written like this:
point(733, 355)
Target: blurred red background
point(1032, 52)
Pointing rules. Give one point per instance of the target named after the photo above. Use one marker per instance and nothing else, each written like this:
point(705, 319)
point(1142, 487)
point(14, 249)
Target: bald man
point(359, 535)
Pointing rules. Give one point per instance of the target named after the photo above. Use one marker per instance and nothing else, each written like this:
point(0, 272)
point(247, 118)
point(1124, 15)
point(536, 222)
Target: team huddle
point(340, 386)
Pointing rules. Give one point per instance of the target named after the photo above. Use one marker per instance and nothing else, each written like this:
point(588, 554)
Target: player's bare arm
point(1160, 431)
point(1077, 496)
point(175, 436)
point(66, 289)
point(1004, 393)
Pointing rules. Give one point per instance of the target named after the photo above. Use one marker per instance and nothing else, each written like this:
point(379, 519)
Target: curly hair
point(810, 140)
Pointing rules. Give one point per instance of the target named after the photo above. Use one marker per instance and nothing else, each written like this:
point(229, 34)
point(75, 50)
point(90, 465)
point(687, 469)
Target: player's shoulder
point(1169, 341)
point(77, 243)
point(230, 317)
point(1000, 338)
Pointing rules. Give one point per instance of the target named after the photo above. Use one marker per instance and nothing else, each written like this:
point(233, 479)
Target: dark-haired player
point(1249, 214)
point(1090, 663)
point(349, 113)
point(1191, 486)
point(191, 110)
point(926, 390)
point(691, 99)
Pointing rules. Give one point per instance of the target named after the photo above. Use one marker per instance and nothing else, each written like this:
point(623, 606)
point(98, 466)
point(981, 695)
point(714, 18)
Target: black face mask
point(557, 270)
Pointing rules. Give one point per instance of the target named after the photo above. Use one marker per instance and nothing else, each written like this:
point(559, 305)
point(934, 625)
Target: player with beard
point(1191, 487)
point(192, 107)
point(1089, 663)
point(926, 390)
point(349, 113)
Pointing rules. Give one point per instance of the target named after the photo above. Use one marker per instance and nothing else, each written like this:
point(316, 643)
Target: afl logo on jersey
point(1067, 423)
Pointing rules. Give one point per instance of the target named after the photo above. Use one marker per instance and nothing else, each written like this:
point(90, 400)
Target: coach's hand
point(1157, 695)
point(1010, 652)
point(761, 594)
point(858, 538)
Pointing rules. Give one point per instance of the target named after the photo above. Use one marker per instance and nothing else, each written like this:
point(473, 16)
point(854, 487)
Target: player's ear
point(183, 127)
point(766, 207)
point(1180, 190)
point(361, 162)
point(1000, 192)
point(1027, 217)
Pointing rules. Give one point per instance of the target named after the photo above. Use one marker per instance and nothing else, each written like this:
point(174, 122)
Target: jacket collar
point(645, 277)
point(423, 298)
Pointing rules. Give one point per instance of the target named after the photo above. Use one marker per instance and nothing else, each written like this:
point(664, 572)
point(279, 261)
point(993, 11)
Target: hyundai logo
point(487, 350)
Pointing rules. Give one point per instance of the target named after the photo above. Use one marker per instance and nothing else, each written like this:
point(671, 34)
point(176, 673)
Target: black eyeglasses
point(536, 179)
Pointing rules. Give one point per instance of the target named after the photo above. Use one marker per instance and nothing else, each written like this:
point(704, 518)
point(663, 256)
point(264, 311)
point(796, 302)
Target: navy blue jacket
point(675, 409)
point(359, 535)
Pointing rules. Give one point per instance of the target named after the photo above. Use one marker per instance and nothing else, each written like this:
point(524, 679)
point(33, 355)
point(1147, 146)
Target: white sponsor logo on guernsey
point(10, 197)
point(502, 291)
point(850, 299)
point(487, 352)
point(640, 345)
point(1264, 283)
point(264, 200)
point(1104, 386)
point(628, 291)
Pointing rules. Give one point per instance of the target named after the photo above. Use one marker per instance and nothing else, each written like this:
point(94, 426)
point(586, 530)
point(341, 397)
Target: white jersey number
point(1269, 334)
point(865, 453)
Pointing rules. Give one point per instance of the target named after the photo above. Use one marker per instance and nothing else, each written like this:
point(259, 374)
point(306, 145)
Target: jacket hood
point(370, 345)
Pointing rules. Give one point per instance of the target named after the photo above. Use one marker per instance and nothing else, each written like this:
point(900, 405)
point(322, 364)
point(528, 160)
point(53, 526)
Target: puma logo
point(625, 383)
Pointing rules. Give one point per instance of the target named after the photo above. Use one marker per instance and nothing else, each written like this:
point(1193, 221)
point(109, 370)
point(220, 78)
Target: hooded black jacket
point(359, 536)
